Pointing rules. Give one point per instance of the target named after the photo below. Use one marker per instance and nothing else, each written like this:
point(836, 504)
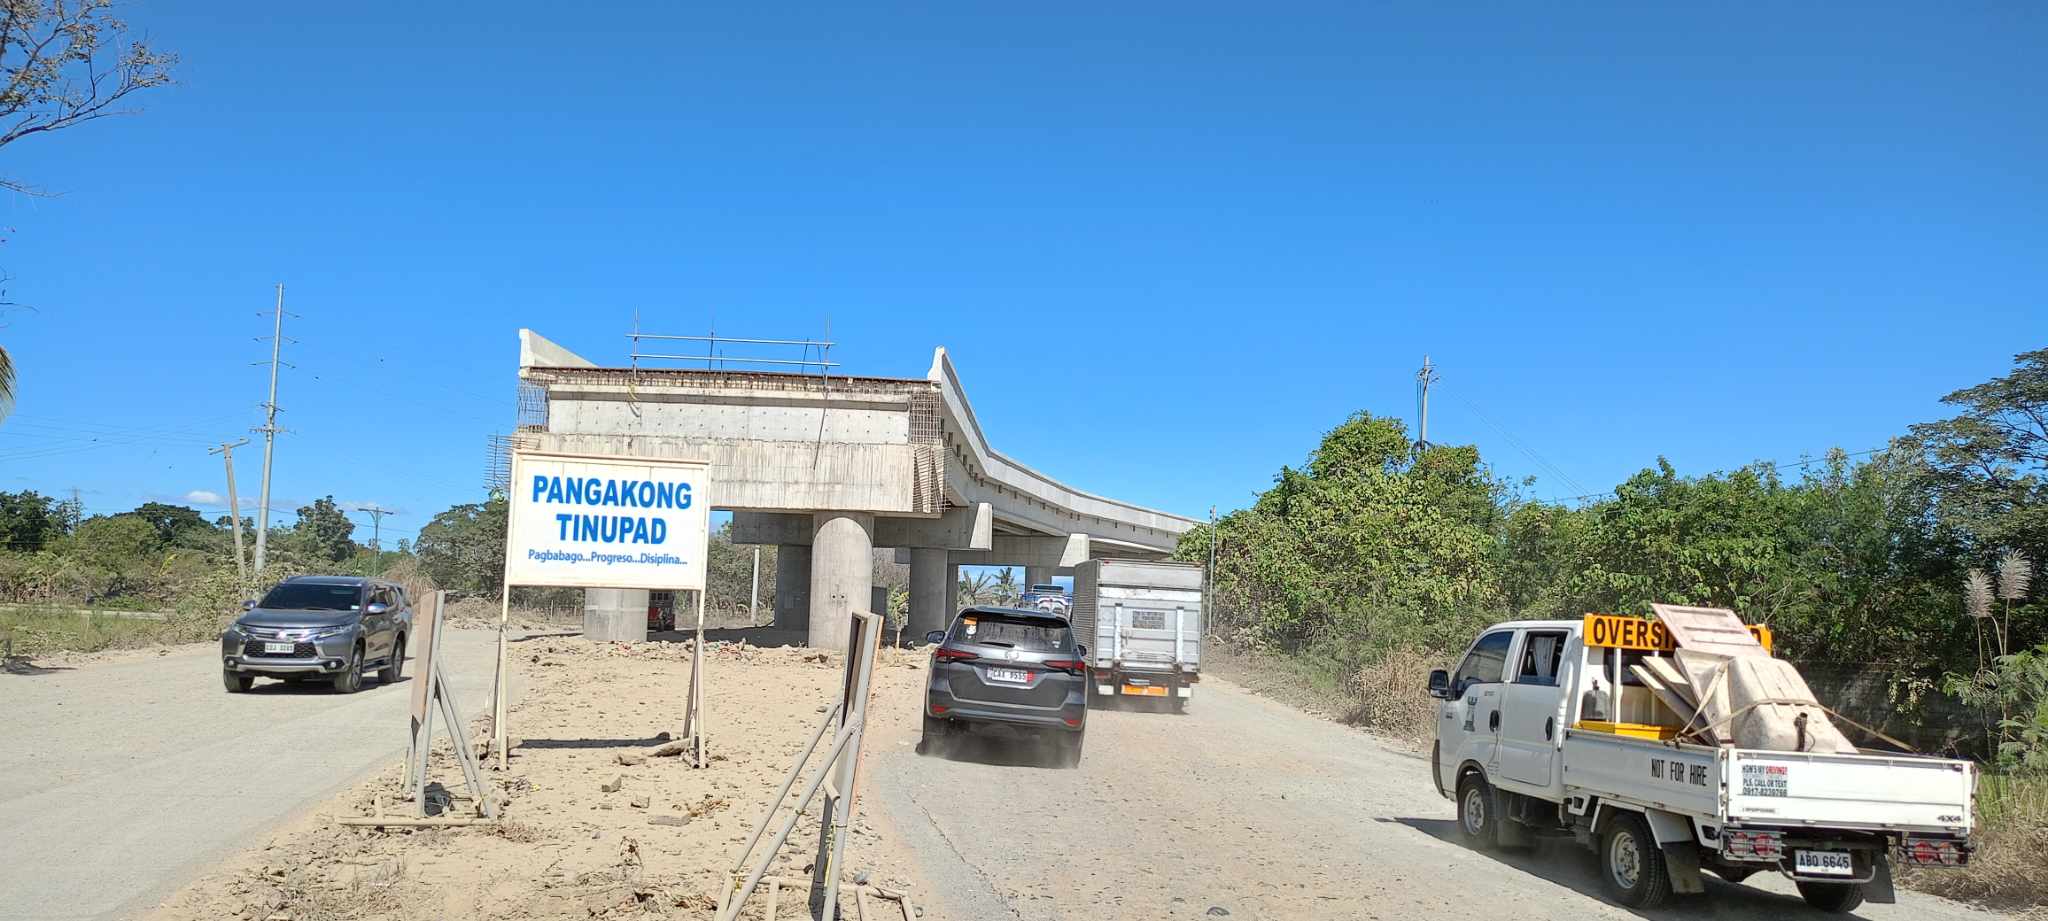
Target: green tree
point(1373, 543)
point(730, 572)
point(323, 531)
point(28, 520)
point(1989, 463)
point(463, 548)
point(172, 522)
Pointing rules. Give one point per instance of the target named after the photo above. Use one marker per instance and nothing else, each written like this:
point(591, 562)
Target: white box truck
point(1142, 622)
point(1557, 728)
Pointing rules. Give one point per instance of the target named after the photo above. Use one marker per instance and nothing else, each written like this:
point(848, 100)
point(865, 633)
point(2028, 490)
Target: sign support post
point(499, 686)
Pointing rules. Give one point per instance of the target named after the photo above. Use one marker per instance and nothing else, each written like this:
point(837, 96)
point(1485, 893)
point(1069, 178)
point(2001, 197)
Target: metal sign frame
point(693, 716)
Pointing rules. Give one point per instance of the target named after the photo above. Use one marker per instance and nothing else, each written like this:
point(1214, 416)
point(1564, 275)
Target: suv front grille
point(254, 649)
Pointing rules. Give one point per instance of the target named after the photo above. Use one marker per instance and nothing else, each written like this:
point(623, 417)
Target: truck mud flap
point(1682, 863)
point(1880, 889)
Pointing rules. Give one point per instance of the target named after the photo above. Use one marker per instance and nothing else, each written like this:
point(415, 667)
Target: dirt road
point(1242, 808)
point(120, 780)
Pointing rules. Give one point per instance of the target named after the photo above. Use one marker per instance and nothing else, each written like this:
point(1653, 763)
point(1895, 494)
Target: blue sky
point(1168, 245)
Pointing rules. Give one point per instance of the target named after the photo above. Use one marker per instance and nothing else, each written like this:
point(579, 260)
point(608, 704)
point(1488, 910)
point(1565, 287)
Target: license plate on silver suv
point(1011, 675)
point(1823, 863)
point(275, 648)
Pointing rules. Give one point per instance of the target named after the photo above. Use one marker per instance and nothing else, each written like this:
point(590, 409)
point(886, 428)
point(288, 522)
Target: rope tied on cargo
point(1715, 726)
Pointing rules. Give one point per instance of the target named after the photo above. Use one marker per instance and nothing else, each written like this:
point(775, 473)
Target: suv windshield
point(312, 596)
point(1030, 634)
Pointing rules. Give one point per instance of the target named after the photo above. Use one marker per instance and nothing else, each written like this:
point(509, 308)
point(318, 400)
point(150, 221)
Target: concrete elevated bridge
point(828, 468)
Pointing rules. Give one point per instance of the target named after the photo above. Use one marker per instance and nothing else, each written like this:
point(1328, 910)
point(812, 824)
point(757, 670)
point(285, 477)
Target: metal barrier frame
point(837, 778)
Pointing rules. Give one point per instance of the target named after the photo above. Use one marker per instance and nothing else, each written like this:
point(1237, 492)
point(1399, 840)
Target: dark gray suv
point(1012, 666)
point(319, 628)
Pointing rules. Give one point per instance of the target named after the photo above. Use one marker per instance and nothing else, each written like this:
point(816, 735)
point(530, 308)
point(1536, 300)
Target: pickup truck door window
point(378, 635)
point(1530, 709)
point(1473, 718)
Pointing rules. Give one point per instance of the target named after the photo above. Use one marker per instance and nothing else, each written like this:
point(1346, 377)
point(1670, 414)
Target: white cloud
point(205, 497)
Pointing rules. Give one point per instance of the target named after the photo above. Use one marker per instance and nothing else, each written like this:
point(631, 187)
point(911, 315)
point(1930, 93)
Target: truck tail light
point(944, 654)
point(1739, 844)
point(1932, 852)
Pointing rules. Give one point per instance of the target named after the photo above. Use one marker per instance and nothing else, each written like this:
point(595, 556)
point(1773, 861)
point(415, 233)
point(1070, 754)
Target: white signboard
point(591, 522)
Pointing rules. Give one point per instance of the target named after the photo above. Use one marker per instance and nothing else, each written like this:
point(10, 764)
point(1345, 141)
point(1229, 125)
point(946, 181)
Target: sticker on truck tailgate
point(1766, 780)
point(1678, 772)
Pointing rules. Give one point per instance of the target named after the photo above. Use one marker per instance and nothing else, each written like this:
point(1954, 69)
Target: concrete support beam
point(615, 615)
point(952, 589)
point(1021, 550)
point(793, 586)
point(931, 596)
point(967, 528)
point(1036, 575)
point(842, 574)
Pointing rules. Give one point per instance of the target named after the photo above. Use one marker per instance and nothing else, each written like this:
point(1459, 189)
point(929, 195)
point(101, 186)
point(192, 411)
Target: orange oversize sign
point(1612, 631)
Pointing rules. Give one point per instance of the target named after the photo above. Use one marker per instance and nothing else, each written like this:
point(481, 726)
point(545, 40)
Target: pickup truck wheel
point(236, 682)
point(1831, 897)
point(1477, 817)
point(390, 672)
point(1632, 864)
point(350, 679)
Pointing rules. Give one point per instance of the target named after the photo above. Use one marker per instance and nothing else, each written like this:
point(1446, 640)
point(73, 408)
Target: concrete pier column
point(842, 574)
point(792, 587)
point(953, 602)
point(615, 615)
point(931, 596)
point(1036, 575)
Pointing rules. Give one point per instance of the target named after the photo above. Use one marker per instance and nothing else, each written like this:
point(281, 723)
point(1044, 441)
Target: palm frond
point(6, 383)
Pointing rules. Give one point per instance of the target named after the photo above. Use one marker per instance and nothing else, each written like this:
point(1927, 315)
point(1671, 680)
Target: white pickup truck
point(1540, 733)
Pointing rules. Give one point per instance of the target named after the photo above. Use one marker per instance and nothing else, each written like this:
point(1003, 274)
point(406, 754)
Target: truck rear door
point(1811, 788)
point(1147, 635)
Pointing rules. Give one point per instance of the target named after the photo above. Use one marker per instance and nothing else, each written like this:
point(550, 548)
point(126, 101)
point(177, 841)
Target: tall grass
point(2010, 869)
point(41, 630)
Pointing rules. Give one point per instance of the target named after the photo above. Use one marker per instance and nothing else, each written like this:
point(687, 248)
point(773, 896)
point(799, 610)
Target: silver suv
point(319, 628)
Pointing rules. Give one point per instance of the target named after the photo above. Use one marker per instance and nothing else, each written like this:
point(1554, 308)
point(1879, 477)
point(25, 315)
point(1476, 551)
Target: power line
point(1540, 460)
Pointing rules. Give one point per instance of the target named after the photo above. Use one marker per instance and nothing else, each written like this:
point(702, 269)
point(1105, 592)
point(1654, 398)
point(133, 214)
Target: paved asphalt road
point(120, 781)
point(1245, 808)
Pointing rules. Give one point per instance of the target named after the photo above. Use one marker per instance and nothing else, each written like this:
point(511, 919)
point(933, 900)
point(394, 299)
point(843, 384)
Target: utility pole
point(269, 430)
point(1209, 597)
point(376, 536)
point(227, 453)
point(754, 594)
point(1423, 379)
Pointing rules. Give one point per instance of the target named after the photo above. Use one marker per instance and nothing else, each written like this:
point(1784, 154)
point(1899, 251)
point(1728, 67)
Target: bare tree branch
point(59, 68)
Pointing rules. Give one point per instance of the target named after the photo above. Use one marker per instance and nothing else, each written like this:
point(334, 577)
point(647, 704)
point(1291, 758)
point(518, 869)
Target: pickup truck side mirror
point(936, 636)
point(377, 607)
point(1082, 649)
point(1440, 684)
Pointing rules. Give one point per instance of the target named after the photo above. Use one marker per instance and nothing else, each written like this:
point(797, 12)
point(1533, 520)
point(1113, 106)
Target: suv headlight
point(330, 631)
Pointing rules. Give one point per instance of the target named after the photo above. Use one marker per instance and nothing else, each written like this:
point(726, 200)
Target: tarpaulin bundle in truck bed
point(1760, 702)
point(1745, 696)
